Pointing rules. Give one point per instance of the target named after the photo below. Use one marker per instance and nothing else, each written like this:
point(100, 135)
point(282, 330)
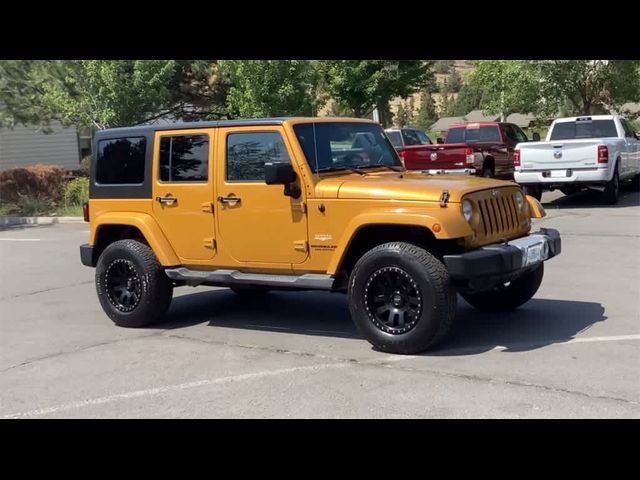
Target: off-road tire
point(506, 298)
point(155, 288)
point(428, 277)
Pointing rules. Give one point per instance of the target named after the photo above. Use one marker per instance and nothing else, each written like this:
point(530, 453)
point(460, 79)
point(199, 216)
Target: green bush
point(76, 192)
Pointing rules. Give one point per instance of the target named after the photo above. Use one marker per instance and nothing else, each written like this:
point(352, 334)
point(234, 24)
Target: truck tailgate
point(443, 156)
point(562, 154)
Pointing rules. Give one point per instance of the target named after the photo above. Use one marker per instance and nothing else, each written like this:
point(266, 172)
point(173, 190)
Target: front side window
point(184, 158)
point(248, 152)
point(121, 161)
point(343, 145)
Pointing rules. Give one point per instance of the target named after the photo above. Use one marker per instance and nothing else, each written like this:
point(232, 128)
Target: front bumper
point(86, 255)
point(494, 263)
point(454, 171)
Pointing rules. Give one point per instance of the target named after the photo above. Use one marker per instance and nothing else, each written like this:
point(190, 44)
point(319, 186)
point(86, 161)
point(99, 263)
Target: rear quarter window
point(121, 161)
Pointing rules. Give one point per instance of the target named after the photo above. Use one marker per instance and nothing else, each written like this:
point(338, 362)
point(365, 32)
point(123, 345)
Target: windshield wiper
point(337, 169)
point(384, 165)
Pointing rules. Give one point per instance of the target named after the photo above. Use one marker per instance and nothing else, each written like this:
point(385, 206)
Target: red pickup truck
point(484, 149)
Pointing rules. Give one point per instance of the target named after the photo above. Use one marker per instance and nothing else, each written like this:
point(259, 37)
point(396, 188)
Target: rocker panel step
point(227, 278)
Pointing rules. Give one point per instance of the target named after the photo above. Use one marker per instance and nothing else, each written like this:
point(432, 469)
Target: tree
point(589, 86)
point(266, 88)
point(96, 93)
point(470, 98)
point(549, 87)
point(363, 85)
point(426, 115)
point(455, 81)
point(509, 86)
point(404, 115)
point(22, 84)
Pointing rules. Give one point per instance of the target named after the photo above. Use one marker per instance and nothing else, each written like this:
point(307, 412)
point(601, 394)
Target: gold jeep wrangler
point(305, 204)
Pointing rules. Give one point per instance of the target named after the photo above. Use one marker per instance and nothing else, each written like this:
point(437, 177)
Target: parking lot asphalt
point(573, 351)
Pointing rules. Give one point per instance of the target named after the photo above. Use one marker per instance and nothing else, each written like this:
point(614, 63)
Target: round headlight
point(467, 210)
point(519, 200)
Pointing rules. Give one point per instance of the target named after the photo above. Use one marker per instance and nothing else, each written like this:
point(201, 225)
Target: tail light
point(468, 153)
point(85, 211)
point(402, 153)
point(603, 154)
point(516, 157)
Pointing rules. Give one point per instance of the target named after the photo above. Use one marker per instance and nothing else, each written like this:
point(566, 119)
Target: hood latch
point(444, 198)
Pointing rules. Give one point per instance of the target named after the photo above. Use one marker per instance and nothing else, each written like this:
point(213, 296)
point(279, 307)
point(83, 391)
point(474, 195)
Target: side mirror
point(281, 173)
point(536, 137)
point(439, 140)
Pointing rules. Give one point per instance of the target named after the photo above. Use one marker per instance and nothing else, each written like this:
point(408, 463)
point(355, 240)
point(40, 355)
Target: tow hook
point(444, 198)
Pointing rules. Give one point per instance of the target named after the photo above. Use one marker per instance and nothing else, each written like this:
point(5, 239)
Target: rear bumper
point(493, 263)
point(596, 175)
point(86, 255)
point(451, 171)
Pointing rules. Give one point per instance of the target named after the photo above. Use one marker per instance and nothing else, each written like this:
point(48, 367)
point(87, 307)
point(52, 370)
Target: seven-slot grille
point(498, 213)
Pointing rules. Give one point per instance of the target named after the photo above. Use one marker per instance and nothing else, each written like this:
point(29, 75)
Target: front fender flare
point(450, 219)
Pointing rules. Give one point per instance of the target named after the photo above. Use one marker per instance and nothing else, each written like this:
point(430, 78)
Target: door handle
point(222, 199)
point(168, 200)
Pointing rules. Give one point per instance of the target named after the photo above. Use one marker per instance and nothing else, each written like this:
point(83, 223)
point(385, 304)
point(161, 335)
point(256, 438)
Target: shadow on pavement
point(594, 199)
point(538, 323)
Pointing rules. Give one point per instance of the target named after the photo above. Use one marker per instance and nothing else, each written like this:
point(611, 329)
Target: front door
point(183, 191)
point(257, 222)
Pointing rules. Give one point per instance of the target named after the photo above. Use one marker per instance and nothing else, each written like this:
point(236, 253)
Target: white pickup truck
point(597, 151)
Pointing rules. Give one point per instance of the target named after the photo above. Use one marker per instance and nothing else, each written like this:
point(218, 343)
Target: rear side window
point(121, 161)
point(248, 152)
point(584, 129)
point(184, 158)
point(415, 137)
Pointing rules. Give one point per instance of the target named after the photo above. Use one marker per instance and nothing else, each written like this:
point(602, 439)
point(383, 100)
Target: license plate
point(534, 254)
point(558, 173)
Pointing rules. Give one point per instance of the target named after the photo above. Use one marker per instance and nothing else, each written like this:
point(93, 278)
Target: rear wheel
point(132, 286)
point(507, 296)
point(401, 298)
point(612, 189)
point(487, 172)
point(534, 191)
point(635, 183)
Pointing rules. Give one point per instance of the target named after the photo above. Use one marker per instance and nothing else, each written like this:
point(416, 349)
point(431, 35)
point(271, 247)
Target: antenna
point(315, 151)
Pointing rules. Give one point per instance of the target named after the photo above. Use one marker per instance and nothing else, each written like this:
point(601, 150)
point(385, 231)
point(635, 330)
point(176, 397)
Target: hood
point(409, 186)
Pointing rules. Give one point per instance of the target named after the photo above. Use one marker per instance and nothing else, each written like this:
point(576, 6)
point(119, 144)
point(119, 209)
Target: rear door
point(183, 191)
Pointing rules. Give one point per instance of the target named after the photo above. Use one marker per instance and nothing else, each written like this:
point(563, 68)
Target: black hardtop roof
point(140, 129)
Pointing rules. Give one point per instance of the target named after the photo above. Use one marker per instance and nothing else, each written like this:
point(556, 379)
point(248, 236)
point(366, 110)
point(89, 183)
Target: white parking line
point(20, 239)
point(171, 388)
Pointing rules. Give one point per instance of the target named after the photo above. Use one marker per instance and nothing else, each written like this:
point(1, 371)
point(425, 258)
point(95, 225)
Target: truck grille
point(499, 216)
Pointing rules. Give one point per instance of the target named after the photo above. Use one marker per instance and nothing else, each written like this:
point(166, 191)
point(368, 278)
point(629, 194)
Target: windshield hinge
point(444, 198)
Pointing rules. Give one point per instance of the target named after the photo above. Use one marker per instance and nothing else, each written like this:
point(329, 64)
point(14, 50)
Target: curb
point(11, 221)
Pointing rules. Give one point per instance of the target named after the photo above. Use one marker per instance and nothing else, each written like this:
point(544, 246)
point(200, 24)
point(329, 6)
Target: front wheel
point(534, 191)
point(401, 298)
point(132, 286)
point(509, 296)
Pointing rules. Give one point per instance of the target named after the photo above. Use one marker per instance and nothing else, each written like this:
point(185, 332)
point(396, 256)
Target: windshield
point(584, 129)
point(344, 145)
